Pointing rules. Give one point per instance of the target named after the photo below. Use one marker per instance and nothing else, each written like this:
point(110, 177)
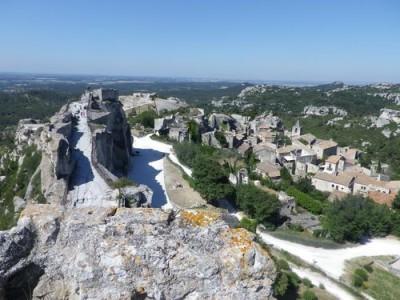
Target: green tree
point(210, 180)
point(145, 118)
point(260, 205)
point(355, 217)
point(194, 132)
point(396, 202)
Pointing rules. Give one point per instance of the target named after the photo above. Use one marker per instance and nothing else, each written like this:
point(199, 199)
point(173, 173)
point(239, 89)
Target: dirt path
point(179, 191)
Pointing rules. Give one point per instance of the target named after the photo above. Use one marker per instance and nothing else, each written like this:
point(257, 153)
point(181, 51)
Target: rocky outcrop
point(57, 163)
point(52, 139)
point(135, 196)
point(112, 140)
point(99, 253)
point(324, 111)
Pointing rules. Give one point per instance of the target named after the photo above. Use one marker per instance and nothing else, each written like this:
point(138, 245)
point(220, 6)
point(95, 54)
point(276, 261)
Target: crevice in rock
point(21, 284)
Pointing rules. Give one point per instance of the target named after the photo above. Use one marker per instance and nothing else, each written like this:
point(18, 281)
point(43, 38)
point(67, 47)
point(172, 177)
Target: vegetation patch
point(369, 276)
point(122, 182)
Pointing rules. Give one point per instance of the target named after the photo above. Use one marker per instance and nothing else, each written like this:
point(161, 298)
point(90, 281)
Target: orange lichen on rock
point(240, 239)
point(199, 217)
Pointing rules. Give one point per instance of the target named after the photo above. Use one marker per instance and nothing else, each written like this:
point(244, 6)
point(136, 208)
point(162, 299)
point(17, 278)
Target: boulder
point(136, 196)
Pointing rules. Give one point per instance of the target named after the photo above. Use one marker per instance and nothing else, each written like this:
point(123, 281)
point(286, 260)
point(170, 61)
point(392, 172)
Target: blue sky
point(300, 40)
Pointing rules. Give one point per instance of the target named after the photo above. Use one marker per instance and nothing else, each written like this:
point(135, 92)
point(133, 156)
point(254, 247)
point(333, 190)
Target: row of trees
point(210, 179)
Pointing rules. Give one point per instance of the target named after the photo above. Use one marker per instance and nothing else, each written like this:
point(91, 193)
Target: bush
point(281, 284)
point(258, 204)
point(122, 182)
point(282, 264)
point(307, 282)
point(305, 201)
point(359, 277)
point(396, 202)
point(210, 179)
point(145, 118)
point(368, 268)
point(295, 227)
point(221, 139)
point(309, 295)
point(249, 224)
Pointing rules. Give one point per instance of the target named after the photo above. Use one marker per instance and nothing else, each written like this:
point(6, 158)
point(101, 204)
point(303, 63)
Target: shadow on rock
point(141, 172)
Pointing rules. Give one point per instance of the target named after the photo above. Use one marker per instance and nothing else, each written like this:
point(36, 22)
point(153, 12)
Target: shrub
point(210, 179)
point(258, 204)
point(249, 224)
point(305, 201)
point(221, 139)
point(282, 264)
point(309, 295)
point(359, 277)
point(122, 182)
point(295, 227)
point(396, 202)
point(145, 118)
point(368, 268)
point(281, 284)
point(307, 282)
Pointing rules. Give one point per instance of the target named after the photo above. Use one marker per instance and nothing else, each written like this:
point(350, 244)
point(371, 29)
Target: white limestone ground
point(89, 188)
point(332, 261)
point(148, 167)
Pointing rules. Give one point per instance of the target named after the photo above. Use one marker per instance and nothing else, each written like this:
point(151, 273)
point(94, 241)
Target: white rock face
point(324, 110)
point(138, 253)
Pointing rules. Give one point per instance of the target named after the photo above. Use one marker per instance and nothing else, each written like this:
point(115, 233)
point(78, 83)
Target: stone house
point(348, 153)
point(265, 152)
point(324, 148)
point(268, 170)
point(334, 164)
point(326, 182)
point(364, 184)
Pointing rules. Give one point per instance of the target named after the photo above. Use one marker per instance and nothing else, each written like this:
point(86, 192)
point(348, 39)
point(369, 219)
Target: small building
point(268, 170)
point(265, 152)
point(348, 153)
point(364, 184)
point(326, 182)
point(334, 164)
point(324, 148)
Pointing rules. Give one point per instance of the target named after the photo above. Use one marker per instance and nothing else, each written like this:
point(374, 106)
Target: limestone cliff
point(112, 140)
point(99, 253)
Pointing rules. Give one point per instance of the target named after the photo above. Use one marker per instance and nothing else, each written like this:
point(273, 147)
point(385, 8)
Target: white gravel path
point(329, 285)
point(332, 261)
point(88, 187)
